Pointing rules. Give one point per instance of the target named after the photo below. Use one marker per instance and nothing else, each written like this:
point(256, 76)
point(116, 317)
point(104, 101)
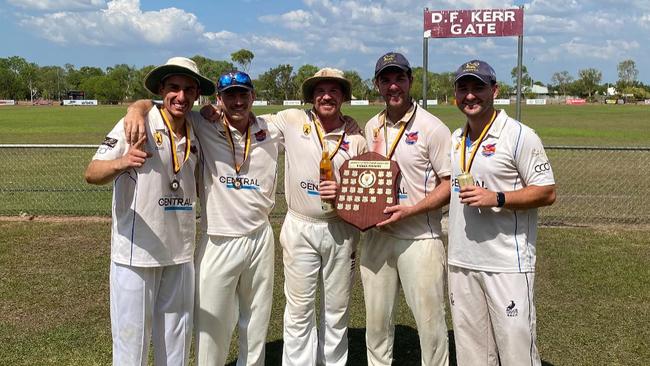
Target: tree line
point(24, 80)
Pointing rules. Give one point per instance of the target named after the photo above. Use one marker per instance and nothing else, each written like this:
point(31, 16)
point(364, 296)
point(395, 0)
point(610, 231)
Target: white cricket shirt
point(152, 224)
point(303, 153)
point(228, 211)
point(422, 153)
point(497, 239)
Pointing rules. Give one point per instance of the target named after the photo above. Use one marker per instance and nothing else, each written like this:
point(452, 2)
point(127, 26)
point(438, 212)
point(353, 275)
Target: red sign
point(473, 23)
point(575, 101)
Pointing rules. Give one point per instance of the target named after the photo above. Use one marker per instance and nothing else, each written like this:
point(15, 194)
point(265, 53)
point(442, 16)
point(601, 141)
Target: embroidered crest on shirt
point(110, 142)
point(306, 129)
point(345, 145)
point(260, 135)
point(412, 138)
point(157, 138)
point(489, 150)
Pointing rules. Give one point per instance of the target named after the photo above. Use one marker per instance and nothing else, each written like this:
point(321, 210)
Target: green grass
point(591, 125)
point(592, 294)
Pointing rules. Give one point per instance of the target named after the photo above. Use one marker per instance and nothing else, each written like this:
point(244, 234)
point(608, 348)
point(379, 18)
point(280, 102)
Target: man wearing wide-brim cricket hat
point(177, 66)
point(326, 74)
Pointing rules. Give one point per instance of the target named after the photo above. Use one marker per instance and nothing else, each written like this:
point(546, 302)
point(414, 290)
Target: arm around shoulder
point(134, 121)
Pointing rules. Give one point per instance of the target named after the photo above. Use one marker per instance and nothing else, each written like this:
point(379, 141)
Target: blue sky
point(559, 35)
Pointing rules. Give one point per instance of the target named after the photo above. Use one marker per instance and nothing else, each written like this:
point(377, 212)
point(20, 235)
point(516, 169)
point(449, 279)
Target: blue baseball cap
point(478, 69)
point(392, 60)
point(234, 79)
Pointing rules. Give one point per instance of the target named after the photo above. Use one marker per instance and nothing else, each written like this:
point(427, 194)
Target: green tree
point(49, 82)
point(125, 78)
point(277, 83)
point(243, 57)
point(526, 79)
point(303, 73)
point(444, 86)
point(416, 86)
point(627, 74)
point(359, 88)
point(589, 80)
point(505, 90)
point(561, 81)
point(9, 81)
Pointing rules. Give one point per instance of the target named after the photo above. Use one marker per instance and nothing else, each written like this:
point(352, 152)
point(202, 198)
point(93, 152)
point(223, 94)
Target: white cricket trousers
point(234, 278)
point(418, 266)
point(154, 302)
point(317, 254)
point(493, 314)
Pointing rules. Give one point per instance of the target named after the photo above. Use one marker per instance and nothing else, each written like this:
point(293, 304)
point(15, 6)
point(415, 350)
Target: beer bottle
point(326, 173)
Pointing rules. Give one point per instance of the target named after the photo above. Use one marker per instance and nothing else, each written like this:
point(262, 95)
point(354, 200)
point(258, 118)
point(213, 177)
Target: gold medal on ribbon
point(176, 164)
point(465, 177)
point(237, 184)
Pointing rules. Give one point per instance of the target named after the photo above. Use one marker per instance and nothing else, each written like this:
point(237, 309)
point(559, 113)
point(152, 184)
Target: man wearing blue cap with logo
point(235, 254)
point(501, 175)
point(154, 210)
point(406, 250)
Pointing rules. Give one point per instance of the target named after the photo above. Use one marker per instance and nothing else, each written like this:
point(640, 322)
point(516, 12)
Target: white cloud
point(277, 44)
point(57, 5)
point(122, 23)
point(611, 49)
point(297, 19)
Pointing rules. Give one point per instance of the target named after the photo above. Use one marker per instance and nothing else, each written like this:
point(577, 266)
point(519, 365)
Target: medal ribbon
point(478, 143)
point(247, 146)
point(176, 164)
point(393, 146)
point(321, 136)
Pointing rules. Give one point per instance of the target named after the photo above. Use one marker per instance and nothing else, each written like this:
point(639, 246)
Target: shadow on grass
point(406, 348)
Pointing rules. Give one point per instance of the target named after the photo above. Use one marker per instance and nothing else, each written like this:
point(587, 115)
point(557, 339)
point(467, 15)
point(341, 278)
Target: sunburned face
point(475, 98)
point(179, 93)
point(328, 98)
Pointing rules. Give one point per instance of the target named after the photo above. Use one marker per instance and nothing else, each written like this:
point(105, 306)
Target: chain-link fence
point(594, 185)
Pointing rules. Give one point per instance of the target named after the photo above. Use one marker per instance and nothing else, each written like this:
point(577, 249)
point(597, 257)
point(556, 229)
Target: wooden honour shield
point(369, 184)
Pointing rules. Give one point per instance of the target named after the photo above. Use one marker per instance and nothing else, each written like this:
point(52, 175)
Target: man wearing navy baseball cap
point(406, 249)
point(493, 225)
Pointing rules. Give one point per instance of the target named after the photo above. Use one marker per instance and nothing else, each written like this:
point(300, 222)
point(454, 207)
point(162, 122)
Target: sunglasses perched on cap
point(234, 79)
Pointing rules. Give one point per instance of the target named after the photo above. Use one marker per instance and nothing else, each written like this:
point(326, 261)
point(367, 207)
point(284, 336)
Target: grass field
point(592, 125)
point(592, 288)
point(592, 293)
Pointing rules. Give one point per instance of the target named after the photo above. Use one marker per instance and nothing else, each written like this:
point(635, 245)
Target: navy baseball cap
point(392, 59)
point(478, 69)
point(234, 79)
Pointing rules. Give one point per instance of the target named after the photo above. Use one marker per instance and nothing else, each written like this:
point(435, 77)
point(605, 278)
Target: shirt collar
point(405, 118)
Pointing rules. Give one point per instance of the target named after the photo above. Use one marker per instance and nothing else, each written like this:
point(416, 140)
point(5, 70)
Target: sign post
point(474, 23)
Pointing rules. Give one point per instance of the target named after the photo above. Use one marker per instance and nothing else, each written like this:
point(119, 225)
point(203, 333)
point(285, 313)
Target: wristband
point(501, 199)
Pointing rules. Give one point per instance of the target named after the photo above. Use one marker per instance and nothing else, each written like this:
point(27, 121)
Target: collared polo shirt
point(228, 211)
point(303, 155)
point(493, 239)
point(153, 225)
point(422, 153)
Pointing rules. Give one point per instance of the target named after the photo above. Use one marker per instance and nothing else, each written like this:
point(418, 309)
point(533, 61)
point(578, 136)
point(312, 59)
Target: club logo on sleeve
point(260, 135)
point(345, 145)
point(306, 129)
point(489, 150)
point(543, 167)
point(411, 138)
point(511, 309)
point(110, 142)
